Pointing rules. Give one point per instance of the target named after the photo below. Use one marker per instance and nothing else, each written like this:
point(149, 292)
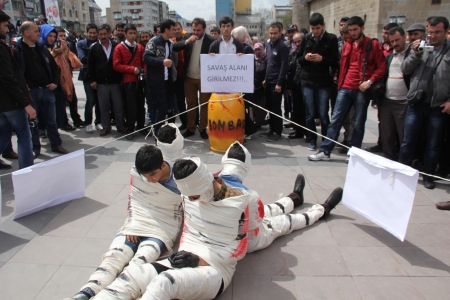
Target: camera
point(141, 74)
point(423, 47)
point(58, 44)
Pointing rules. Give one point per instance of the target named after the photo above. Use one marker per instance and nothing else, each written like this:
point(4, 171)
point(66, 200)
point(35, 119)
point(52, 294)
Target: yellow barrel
point(226, 120)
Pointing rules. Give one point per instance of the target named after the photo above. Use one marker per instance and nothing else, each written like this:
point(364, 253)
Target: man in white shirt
point(393, 106)
point(226, 44)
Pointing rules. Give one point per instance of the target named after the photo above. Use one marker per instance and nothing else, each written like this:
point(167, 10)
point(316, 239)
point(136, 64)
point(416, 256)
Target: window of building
point(76, 14)
point(435, 1)
point(70, 13)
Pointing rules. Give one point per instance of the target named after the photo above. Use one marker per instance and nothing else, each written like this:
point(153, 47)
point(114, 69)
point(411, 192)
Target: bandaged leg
point(283, 206)
point(275, 227)
point(135, 278)
point(118, 256)
point(187, 283)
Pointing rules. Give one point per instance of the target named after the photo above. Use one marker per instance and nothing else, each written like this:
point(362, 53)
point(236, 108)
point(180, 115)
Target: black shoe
point(4, 166)
point(333, 200)
point(60, 150)
point(294, 135)
point(182, 127)
point(428, 182)
point(68, 128)
point(204, 135)
point(343, 150)
point(299, 186)
point(36, 154)
point(374, 149)
point(288, 125)
point(188, 133)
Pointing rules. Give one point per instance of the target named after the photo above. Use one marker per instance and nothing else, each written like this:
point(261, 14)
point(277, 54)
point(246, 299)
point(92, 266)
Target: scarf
point(263, 52)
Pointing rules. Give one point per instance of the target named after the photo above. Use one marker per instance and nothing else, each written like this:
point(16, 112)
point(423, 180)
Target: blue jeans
point(316, 98)
point(134, 246)
point(162, 100)
point(344, 102)
point(91, 101)
point(44, 101)
point(17, 120)
point(433, 120)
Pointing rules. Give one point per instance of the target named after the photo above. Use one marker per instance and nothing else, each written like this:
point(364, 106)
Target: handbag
point(377, 89)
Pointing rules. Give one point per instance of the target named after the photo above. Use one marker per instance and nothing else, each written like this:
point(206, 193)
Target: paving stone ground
point(50, 254)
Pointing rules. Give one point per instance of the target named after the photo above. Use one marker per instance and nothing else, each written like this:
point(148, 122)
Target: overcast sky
point(190, 9)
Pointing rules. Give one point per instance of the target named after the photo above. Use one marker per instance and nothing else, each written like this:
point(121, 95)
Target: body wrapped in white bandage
point(153, 211)
point(231, 166)
point(173, 151)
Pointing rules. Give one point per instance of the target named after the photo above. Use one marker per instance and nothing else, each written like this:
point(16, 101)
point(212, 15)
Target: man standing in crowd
point(416, 32)
point(127, 59)
point(226, 44)
point(120, 33)
point(319, 52)
point(430, 88)
point(215, 32)
point(294, 89)
point(352, 92)
point(179, 83)
point(290, 31)
point(15, 106)
point(83, 47)
point(198, 43)
point(160, 73)
point(144, 37)
point(106, 80)
point(342, 38)
point(392, 107)
point(277, 68)
point(42, 77)
point(387, 49)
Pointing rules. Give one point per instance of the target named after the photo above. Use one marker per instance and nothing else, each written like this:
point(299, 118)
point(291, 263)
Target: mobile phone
point(58, 44)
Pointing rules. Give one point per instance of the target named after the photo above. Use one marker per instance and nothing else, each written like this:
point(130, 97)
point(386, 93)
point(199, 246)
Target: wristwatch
point(370, 82)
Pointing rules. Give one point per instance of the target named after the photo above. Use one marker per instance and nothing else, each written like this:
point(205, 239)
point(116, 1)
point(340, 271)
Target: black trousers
point(273, 104)
point(135, 104)
point(298, 112)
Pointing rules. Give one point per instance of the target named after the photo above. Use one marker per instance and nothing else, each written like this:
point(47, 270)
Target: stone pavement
point(50, 254)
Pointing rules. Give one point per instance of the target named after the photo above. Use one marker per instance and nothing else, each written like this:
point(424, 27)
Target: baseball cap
point(416, 26)
point(292, 27)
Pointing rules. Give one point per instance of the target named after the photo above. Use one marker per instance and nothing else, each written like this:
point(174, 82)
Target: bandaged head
point(232, 166)
point(200, 182)
point(172, 151)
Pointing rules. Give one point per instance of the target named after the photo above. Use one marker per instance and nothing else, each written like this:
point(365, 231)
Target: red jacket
point(122, 56)
point(376, 66)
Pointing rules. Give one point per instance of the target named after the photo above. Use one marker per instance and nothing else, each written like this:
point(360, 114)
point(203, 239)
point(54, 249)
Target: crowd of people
point(135, 79)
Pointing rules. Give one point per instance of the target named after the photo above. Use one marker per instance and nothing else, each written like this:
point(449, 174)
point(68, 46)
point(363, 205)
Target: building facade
point(376, 13)
point(144, 14)
point(255, 24)
point(186, 24)
point(22, 10)
point(280, 13)
point(163, 11)
point(224, 8)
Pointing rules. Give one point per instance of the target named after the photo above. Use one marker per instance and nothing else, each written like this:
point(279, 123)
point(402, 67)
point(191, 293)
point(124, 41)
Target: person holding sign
point(227, 44)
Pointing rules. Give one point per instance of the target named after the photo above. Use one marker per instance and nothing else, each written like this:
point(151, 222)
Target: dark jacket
point(154, 55)
point(13, 87)
point(318, 73)
point(406, 78)
point(215, 46)
point(49, 62)
point(207, 41)
point(277, 62)
point(100, 68)
point(260, 71)
point(294, 72)
point(83, 53)
point(424, 74)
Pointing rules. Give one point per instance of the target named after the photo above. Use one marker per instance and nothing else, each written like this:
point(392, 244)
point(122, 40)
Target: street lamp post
point(135, 16)
point(400, 20)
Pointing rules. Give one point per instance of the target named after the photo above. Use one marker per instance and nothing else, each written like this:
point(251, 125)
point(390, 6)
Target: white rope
point(441, 178)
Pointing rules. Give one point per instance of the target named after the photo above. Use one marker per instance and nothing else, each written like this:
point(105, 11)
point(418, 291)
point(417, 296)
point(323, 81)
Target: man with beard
point(120, 33)
point(351, 89)
point(144, 37)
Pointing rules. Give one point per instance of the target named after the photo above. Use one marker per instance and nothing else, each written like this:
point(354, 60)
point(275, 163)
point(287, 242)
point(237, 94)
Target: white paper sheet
point(49, 183)
point(227, 73)
point(381, 190)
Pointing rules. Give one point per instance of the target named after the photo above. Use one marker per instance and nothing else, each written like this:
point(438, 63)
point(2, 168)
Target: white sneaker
point(89, 129)
point(99, 127)
point(247, 137)
point(319, 156)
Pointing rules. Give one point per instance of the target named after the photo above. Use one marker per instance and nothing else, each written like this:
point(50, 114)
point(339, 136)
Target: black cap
point(292, 27)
